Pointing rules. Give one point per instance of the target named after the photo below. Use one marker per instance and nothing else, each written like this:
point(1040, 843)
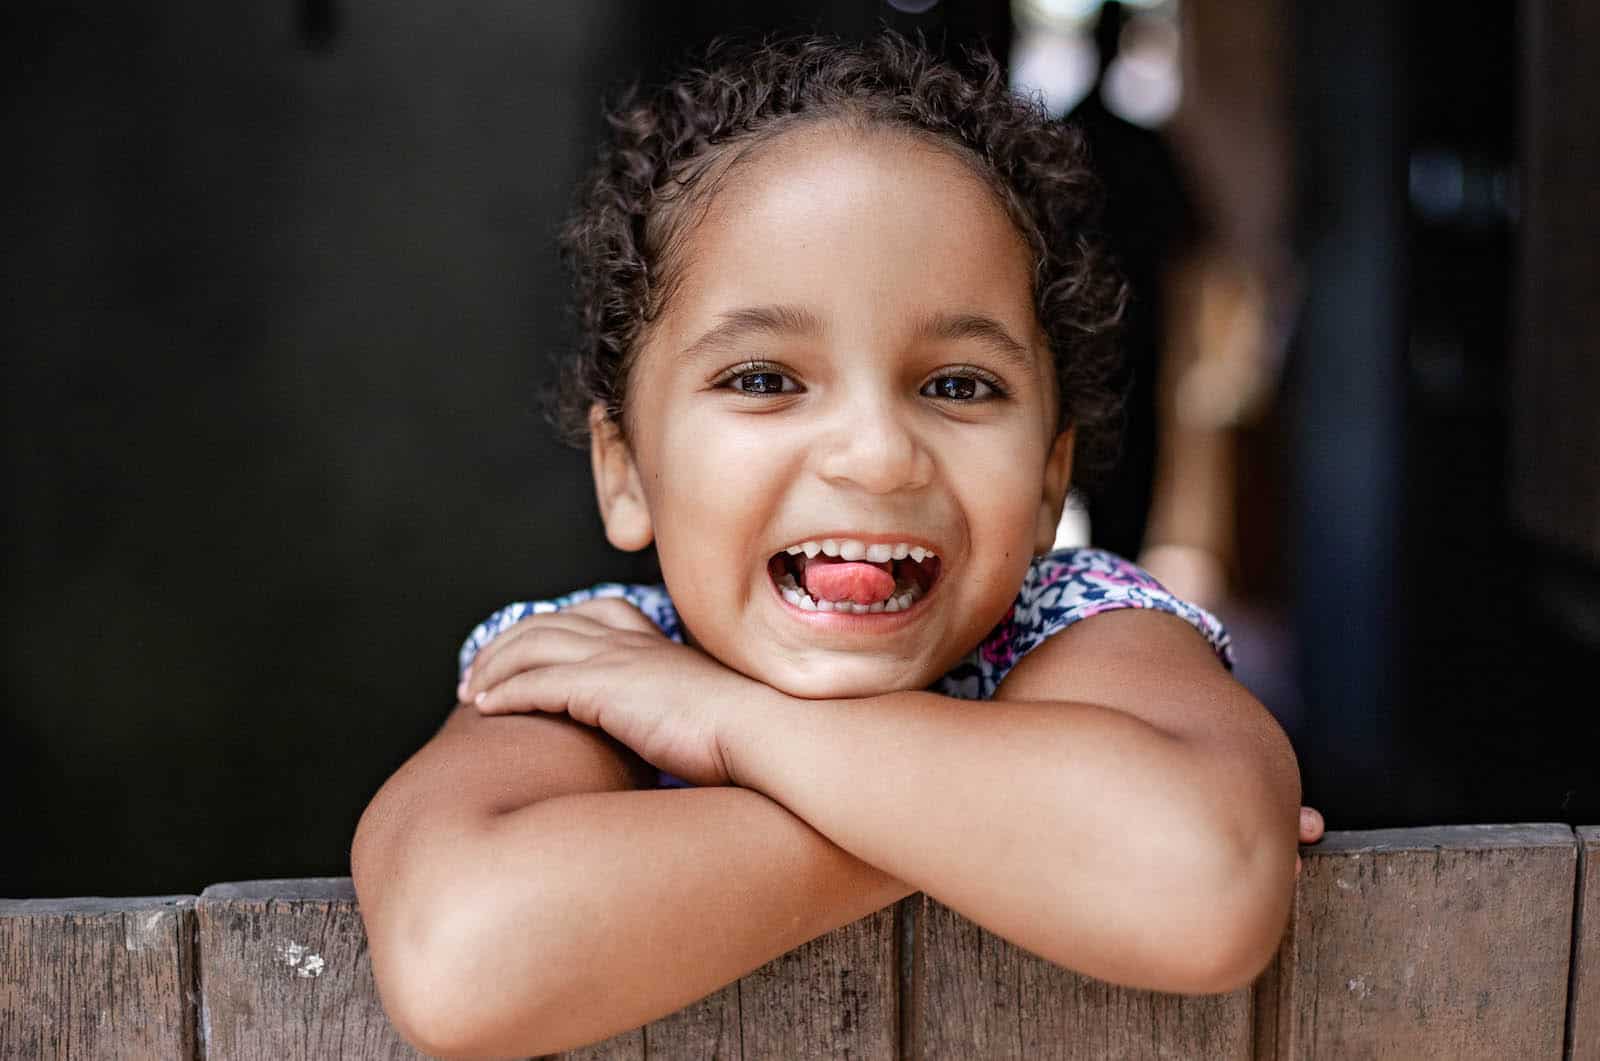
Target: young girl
point(845, 335)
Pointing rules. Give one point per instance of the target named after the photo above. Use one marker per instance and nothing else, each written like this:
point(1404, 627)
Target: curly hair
point(668, 149)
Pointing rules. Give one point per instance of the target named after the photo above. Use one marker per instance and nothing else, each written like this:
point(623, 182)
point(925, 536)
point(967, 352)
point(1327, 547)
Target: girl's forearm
point(1077, 831)
point(583, 916)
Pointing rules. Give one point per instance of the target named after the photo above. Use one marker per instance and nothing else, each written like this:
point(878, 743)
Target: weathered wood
point(1270, 997)
point(1583, 1007)
point(708, 1029)
point(975, 995)
point(285, 973)
point(1442, 942)
point(1458, 941)
point(97, 978)
point(835, 997)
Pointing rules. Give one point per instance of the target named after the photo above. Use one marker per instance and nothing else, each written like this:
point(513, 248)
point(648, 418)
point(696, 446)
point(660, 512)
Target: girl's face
point(851, 355)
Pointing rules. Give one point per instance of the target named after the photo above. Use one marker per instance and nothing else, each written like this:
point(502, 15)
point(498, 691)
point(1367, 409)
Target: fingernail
point(481, 699)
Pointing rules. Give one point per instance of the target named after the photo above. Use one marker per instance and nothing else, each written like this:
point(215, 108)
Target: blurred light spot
point(1055, 14)
point(1142, 84)
point(1073, 530)
point(1438, 184)
point(1059, 66)
point(914, 7)
point(1448, 188)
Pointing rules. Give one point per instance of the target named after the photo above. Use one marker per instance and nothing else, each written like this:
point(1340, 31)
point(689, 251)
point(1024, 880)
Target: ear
point(623, 507)
point(1053, 495)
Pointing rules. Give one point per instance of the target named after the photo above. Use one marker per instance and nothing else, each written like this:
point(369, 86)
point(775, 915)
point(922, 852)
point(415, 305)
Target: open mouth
point(846, 575)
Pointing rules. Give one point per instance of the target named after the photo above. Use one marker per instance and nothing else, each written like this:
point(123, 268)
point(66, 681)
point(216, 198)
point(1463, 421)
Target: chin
point(840, 682)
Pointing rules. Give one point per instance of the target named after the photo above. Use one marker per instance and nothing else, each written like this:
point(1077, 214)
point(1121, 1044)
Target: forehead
point(859, 225)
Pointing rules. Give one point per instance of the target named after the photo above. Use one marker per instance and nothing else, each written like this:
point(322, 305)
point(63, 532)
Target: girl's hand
point(1311, 827)
point(606, 665)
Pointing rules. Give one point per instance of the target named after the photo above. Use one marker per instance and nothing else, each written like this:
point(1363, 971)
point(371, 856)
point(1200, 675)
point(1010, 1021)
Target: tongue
point(831, 579)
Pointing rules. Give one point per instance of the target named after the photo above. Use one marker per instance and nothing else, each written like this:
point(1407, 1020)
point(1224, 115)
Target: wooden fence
point(1459, 942)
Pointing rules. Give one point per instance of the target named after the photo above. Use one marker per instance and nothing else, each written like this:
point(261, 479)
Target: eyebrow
point(956, 327)
point(738, 324)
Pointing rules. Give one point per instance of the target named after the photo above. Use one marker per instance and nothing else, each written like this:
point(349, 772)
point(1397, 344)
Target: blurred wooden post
point(97, 978)
point(1555, 456)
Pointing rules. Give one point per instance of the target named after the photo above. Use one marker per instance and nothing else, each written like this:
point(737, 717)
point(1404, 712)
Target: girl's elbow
point(1245, 922)
point(457, 993)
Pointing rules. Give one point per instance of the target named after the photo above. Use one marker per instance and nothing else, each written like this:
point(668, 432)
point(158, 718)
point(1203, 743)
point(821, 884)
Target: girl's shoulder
point(1061, 588)
point(651, 600)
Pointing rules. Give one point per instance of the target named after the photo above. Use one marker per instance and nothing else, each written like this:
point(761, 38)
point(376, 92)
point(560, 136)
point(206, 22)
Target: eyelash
point(962, 372)
point(754, 368)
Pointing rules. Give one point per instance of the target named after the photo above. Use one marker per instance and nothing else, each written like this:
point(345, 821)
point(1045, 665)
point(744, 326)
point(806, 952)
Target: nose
point(873, 443)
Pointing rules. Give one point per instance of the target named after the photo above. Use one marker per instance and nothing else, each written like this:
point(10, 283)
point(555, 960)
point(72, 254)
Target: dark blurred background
point(282, 288)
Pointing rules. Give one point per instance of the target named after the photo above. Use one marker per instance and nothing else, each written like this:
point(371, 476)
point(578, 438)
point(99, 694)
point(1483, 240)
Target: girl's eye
point(960, 388)
point(760, 381)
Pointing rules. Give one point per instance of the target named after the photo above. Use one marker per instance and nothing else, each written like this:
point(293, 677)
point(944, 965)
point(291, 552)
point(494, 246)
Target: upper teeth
point(850, 549)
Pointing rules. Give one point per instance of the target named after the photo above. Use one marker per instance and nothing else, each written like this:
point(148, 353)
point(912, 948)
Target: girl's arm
point(521, 898)
point(1124, 807)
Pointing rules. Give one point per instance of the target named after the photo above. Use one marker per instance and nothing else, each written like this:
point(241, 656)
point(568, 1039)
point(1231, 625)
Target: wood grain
point(284, 973)
point(1448, 942)
point(835, 997)
point(975, 995)
point(1455, 941)
point(1583, 1007)
point(97, 978)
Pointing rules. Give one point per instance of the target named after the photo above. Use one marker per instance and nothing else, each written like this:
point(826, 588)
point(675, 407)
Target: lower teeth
point(905, 594)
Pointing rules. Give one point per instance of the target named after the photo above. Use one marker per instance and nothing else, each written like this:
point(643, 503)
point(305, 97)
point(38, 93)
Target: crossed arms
point(1123, 807)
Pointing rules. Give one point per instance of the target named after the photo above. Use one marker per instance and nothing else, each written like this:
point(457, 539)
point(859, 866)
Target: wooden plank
point(97, 978)
point(973, 994)
point(708, 1029)
point(285, 973)
point(1583, 1008)
point(1441, 942)
point(834, 997)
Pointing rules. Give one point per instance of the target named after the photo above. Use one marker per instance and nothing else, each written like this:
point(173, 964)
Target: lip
point(850, 622)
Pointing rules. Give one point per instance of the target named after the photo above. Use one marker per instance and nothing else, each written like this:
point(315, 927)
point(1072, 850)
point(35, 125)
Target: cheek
point(713, 492)
point(1002, 484)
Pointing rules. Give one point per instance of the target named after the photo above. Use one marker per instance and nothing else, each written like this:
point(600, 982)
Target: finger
point(593, 616)
point(616, 612)
point(544, 645)
point(548, 689)
point(496, 644)
point(483, 662)
point(1311, 825)
point(1297, 865)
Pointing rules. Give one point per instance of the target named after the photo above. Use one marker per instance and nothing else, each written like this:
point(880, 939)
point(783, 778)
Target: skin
point(1122, 806)
point(852, 446)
